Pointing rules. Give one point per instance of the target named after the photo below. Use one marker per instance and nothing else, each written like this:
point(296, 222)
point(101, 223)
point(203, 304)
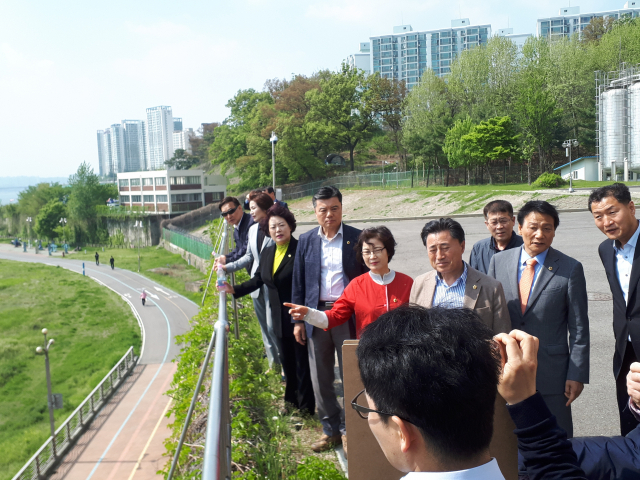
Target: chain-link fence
point(496, 174)
point(199, 246)
point(39, 466)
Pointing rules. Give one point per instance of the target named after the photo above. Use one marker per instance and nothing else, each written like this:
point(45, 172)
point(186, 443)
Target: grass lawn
point(92, 327)
point(171, 269)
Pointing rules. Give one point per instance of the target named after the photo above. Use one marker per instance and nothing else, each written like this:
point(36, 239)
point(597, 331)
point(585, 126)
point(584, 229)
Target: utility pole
point(567, 144)
point(273, 141)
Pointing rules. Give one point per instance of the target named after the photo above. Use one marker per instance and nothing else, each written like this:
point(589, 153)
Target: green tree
point(48, 219)
point(182, 160)
point(341, 110)
point(596, 29)
point(33, 198)
point(457, 150)
point(493, 139)
point(387, 101)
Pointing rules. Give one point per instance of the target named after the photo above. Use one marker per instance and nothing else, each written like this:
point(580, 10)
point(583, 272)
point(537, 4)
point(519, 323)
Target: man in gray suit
point(546, 294)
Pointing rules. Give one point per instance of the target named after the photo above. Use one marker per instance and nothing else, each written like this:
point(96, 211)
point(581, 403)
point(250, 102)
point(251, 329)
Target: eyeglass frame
point(361, 409)
point(375, 252)
point(231, 211)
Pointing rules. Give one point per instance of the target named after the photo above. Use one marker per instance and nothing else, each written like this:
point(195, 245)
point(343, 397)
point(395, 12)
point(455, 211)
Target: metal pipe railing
point(217, 458)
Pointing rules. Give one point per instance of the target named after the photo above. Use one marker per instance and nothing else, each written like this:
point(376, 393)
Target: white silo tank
point(634, 127)
point(614, 112)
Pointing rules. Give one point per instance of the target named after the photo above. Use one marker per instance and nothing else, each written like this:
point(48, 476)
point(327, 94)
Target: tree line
point(499, 104)
point(47, 203)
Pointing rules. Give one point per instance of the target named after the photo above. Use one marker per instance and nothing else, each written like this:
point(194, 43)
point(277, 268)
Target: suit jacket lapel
point(313, 268)
point(429, 289)
point(547, 272)
point(269, 255)
point(609, 260)
point(635, 272)
point(512, 285)
point(287, 258)
point(471, 290)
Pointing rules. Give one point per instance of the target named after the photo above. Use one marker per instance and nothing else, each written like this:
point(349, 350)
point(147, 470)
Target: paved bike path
point(125, 440)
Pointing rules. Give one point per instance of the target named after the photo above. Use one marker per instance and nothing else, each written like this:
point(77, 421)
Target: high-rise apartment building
point(570, 20)
point(159, 136)
point(518, 38)
point(177, 123)
point(362, 59)
point(405, 54)
point(135, 145)
point(181, 139)
point(104, 152)
point(117, 148)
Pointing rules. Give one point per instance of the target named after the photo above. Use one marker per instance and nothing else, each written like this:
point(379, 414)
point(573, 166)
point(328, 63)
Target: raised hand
point(297, 312)
point(519, 355)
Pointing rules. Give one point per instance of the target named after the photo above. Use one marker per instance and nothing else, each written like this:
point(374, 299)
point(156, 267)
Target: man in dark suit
point(499, 219)
point(547, 297)
point(231, 211)
point(614, 214)
point(325, 264)
point(271, 192)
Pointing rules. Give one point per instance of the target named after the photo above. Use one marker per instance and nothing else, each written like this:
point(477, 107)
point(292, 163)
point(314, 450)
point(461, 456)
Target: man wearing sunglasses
point(231, 211)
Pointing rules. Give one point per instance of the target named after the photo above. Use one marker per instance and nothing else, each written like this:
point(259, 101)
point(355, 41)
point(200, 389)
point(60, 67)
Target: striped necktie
point(525, 283)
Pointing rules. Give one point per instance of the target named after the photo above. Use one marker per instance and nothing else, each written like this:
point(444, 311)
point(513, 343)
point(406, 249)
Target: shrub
point(549, 180)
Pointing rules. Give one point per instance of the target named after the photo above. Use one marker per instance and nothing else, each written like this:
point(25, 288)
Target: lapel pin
point(289, 255)
point(348, 242)
point(550, 268)
point(395, 300)
point(475, 287)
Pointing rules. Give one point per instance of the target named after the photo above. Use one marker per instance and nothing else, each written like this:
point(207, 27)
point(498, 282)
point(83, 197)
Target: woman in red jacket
point(369, 295)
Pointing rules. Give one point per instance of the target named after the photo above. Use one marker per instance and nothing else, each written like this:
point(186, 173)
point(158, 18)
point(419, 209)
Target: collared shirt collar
point(324, 237)
point(461, 279)
point(385, 279)
point(540, 258)
point(510, 245)
point(632, 241)
point(488, 471)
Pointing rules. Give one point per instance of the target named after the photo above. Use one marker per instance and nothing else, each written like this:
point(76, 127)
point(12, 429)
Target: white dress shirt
point(624, 264)
point(331, 281)
point(488, 471)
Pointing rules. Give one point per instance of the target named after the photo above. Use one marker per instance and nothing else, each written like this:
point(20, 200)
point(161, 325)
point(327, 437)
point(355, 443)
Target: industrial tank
point(634, 126)
point(613, 115)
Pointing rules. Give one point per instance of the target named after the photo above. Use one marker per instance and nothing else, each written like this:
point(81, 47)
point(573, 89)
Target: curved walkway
point(125, 440)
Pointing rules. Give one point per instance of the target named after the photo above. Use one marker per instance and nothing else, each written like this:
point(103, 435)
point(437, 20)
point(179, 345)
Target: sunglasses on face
point(231, 211)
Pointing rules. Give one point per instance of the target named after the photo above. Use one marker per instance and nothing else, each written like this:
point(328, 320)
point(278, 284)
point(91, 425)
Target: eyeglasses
point(502, 221)
point(365, 411)
point(375, 253)
point(231, 211)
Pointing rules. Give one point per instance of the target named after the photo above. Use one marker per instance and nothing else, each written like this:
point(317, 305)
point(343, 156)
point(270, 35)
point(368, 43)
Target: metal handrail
point(57, 446)
point(218, 435)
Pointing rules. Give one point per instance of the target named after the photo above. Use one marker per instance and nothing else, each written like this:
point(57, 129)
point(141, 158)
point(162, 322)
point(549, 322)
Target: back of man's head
point(436, 368)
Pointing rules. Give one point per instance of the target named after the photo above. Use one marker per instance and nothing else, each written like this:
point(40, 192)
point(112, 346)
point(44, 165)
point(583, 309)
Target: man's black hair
point(539, 206)
point(498, 206)
point(325, 193)
point(226, 200)
point(619, 191)
point(270, 190)
point(438, 369)
point(442, 225)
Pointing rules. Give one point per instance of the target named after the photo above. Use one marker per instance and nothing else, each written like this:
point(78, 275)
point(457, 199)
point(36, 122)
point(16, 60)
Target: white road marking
point(162, 291)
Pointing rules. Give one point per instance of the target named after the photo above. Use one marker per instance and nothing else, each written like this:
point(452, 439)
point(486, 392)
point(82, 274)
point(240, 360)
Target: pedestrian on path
point(112, 262)
point(97, 259)
point(143, 296)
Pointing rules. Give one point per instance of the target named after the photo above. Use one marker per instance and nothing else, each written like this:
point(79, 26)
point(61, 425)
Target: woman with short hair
point(369, 295)
point(276, 273)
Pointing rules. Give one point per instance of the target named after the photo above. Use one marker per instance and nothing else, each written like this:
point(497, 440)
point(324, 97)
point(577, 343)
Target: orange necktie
point(525, 283)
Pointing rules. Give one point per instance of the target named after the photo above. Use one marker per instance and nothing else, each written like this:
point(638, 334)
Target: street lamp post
point(138, 225)
point(63, 222)
point(45, 350)
point(567, 144)
point(29, 220)
point(273, 140)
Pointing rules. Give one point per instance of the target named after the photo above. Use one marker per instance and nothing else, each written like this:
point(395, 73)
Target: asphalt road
point(595, 411)
point(126, 438)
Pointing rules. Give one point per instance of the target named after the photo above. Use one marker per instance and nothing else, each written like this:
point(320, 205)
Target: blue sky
point(69, 68)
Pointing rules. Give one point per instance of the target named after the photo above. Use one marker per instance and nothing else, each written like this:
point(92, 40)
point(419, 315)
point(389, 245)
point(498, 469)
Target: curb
point(429, 217)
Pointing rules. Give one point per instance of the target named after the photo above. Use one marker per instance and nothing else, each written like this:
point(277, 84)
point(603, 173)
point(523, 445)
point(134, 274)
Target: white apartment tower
point(135, 145)
point(181, 139)
point(159, 136)
point(117, 148)
point(103, 152)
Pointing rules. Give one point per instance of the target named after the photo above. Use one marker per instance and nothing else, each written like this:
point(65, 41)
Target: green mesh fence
point(189, 243)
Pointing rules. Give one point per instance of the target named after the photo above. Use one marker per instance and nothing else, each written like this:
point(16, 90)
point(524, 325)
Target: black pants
point(97, 262)
point(295, 363)
point(627, 420)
